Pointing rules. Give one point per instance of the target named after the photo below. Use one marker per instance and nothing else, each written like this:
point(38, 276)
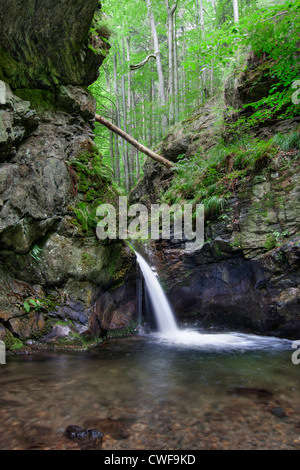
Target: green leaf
point(26, 306)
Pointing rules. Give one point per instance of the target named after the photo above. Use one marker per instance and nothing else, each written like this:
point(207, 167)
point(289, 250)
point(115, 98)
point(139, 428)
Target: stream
point(144, 392)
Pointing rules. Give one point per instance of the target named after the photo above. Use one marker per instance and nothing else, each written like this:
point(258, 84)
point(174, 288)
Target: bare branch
point(141, 64)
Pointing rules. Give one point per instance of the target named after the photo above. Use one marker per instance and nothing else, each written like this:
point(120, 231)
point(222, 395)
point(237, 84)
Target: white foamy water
point(161, 307)
point(221, 341)
point(170, 334)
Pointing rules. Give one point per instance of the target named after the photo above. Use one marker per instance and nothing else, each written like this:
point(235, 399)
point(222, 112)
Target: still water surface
point(144, 393)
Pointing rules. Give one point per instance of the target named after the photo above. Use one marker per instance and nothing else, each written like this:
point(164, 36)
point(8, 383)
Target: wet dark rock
point(219, 286)
point(40, 49)
point(47, 121)
point(242, 277)
point(261, 284)
point(260, 393)
point(278, 412)
point(76, 432)
point(109, 426)
point(8, 403)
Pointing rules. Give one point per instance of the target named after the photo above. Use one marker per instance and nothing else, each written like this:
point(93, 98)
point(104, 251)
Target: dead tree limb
point(133, 142)
point(141, 64)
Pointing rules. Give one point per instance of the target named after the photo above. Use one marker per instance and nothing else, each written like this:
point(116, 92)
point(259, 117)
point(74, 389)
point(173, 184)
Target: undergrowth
point(212, 178)
point(92, 185)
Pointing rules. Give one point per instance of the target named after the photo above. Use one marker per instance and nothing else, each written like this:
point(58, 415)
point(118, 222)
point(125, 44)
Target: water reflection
point(164, 397)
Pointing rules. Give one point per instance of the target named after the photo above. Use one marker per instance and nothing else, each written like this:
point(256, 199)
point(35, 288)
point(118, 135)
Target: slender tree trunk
point(202, 74)
point(124, 125)
point(170, 12)
point(114, 156)
point(176, 75)
point(161, 81)
point(129, 120)
point(144, 133)
point(134, 127)
point(201, 16)
point(184, 79)
point(124, 159)
point(236, 10)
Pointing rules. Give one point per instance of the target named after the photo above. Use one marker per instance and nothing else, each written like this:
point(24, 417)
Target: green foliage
point(12, 343)
point(92, 180)
point(86, 217)
point(36, 304)
point(275, 239)
point(212, 178)
point(129, 330)
point(205, 58)
point(272, 33)
point(35, 251)
point(287, 141)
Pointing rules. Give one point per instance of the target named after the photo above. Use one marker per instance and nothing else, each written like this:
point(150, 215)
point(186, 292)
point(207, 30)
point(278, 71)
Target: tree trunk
point(176, 77)
point(134, 127)
point(201, 16)
point(114, 154)
point(202, 72)
point(125, 162)
point(125, 146)
point(236, 10)
point(161, 81)
point(130, 120)
point(170, 12)
point(133, 142)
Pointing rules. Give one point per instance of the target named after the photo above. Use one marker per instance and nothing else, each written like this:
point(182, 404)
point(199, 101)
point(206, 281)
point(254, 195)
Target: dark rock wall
point(243, 277)
point(218, 286)
point(54, 276)
point(45, 43)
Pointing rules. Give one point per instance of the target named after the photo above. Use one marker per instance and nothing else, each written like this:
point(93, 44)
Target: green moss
point(7, 63)
point(92, 183)
point(12, 343)
point(88, 259)
point(119, 266)
point(126, 331)
point(39, 99)
point(48, 325)
point(270, 242)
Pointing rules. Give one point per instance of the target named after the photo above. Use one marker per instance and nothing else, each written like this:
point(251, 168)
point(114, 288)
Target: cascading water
point(162, 310)
point(170, 333)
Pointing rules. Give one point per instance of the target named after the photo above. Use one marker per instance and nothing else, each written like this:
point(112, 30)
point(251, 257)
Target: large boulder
point(54, 271)
point(44, 44)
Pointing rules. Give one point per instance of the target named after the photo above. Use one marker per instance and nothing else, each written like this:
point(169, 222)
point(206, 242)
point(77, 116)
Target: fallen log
point(133, 142)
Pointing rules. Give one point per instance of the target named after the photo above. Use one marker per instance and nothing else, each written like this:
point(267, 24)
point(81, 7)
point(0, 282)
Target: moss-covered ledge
point(49, 46)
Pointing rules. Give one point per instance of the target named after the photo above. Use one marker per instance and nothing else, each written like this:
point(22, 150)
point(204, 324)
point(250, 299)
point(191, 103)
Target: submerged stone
point(278, 412)
point(76, 432)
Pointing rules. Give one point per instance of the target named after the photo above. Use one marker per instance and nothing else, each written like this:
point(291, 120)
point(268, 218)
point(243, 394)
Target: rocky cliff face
point(57, 278)
point(247, 274)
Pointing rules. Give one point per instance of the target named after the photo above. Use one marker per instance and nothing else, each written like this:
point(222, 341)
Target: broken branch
point(133, 142)
point(141, 64)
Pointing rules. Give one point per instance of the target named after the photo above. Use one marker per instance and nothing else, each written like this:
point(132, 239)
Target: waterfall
point(169, 333)
point(162, 310)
